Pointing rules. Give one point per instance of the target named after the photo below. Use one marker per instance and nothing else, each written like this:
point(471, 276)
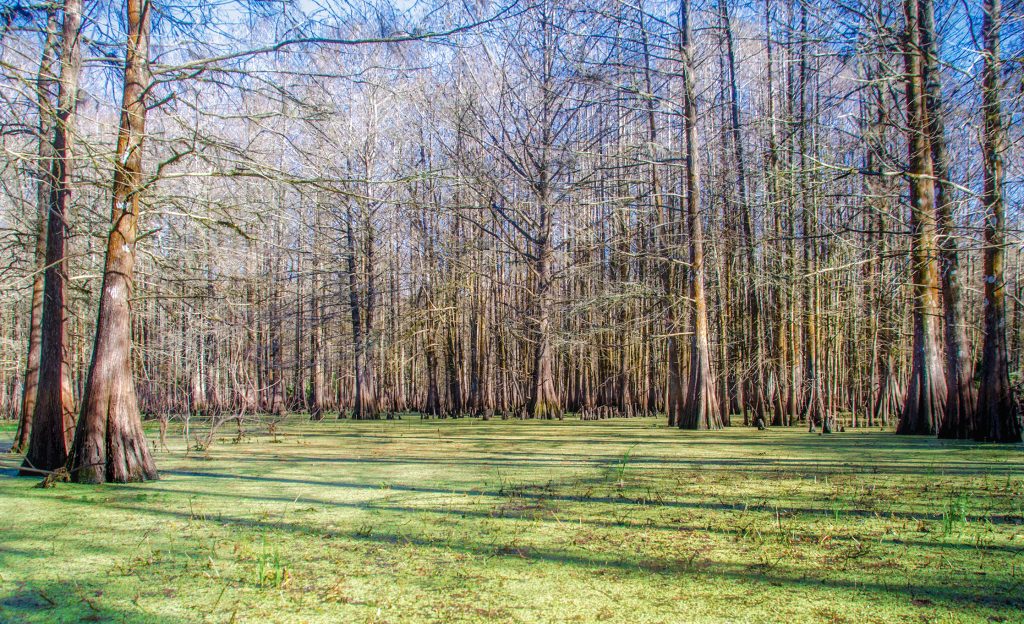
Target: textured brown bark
point(926, 390)
point(44, 100)
point(53, 418)
point(109, 442)
point(961, 396)
point(543, 401)
point(998, 418)
point(700, 408)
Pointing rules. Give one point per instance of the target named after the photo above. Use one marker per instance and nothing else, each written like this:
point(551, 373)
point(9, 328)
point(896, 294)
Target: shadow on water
point(956, 593)
point(737, 453)
point(754, 464)
point(546, 494)
point(539, 514)
point(82, 600)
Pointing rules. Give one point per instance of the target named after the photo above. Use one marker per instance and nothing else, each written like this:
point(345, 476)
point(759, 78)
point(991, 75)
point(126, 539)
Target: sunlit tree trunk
point(700, 408)
point(44, 100)
point(998, 413)
point(926, 391)
point(109, 442)
point(961, 396)
point(54, 417)
point(543, 401)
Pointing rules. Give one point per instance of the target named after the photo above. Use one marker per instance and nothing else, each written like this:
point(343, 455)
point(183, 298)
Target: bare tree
point(700, 409)
point(44, 99)
point(54, 420)
point(926, 391)
point(998, 412)
point(109, 442)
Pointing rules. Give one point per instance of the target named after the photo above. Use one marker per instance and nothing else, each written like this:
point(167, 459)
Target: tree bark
point(998, 413)
point(109, 442)
point(926, 391)
point(365, 401)
point(543, 401)
point(961, 396)
point(44, 99)
point(53, 418)
point(700, 408)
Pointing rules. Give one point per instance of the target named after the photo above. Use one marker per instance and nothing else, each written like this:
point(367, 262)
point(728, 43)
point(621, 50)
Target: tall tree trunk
point(44, 100)
point(753, 323)
point(700, 408)
point(54, 416)
point(926, 391)
point(317, 394)
point(664, 240)
point(884, 380)
point(782, 400)
point(365, 401)
point(998, 413)
point(961, 396)
point(543, 401)
point(109, 443)
point(815, 409)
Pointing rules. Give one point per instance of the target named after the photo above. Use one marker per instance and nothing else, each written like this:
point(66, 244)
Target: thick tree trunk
point(44, 99)
point(109, 442)
point(54, 416)
point(700, 408)
point(924, 405)
point(961, 396)
point(543, 401)
point(998, 413)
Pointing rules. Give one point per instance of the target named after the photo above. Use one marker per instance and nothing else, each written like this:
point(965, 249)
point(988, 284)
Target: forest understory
point(464, 520)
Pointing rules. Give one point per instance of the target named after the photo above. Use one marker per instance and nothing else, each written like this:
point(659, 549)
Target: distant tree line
point(772, 211)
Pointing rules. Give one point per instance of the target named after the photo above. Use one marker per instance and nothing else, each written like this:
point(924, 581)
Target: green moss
point(539, 521)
